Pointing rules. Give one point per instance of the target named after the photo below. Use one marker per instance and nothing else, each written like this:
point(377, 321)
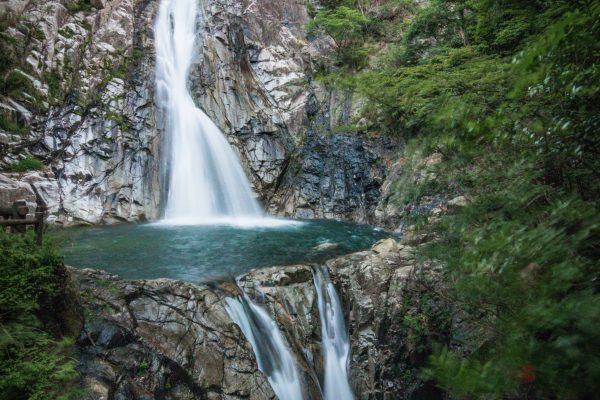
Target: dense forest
point(506, 95)
point(507, 92)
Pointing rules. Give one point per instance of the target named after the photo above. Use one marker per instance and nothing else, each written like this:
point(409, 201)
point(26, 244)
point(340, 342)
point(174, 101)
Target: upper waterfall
point(206, 182)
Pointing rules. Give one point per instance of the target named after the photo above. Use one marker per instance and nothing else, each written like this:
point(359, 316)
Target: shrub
point(33, 363)
point(345, 26)
point(77, 6)
point(27, 164)
point(514, 112)
point(12, 126)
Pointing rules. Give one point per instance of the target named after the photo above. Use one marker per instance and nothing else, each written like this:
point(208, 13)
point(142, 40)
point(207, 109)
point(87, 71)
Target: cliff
point(79, 95)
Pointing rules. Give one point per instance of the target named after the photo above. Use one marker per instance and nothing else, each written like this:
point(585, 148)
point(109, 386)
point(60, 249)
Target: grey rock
point(176, 338)
point(12, 190)
point(96, 124)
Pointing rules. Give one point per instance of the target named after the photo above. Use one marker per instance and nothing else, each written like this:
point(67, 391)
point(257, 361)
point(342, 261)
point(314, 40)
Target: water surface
point(200, 253)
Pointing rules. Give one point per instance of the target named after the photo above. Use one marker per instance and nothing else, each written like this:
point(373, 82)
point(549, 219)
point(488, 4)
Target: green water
point(204, 252)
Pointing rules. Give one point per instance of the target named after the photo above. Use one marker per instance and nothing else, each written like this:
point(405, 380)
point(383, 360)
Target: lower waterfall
point(273, 356)
point(334, 338)
point(206, 182)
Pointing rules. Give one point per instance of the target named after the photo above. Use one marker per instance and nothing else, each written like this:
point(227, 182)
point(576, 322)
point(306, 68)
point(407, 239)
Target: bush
point(345, 26)
point(512, 105)
point(77, 6)
point(33, 363)
point(12, 126)
point(27, 164)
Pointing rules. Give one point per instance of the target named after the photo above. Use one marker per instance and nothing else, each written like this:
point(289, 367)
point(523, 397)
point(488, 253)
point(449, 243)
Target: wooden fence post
point(39, 227)
point(16, 219)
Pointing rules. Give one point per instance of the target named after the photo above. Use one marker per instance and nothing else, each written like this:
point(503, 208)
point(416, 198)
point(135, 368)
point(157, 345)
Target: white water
point(273, 356)
point(206, 181)
point(334, 339)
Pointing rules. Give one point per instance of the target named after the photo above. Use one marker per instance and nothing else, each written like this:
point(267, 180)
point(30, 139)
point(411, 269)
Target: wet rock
point(325, 246)
point(96, 122)
point(177, 339)
point(96, 131)
point(378, 289)
point(162, 339)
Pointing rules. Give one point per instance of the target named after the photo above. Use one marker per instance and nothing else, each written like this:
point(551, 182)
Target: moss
point(19, 86)
point(54, 82)
point(137, 54)
point(8, 20)
point(119, 119)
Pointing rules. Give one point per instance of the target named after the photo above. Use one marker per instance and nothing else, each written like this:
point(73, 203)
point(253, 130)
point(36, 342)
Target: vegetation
point(27, 164)
point(508, 94)
point(34, 361)
point(10, 125)
point(346, 27)
point(77, 6)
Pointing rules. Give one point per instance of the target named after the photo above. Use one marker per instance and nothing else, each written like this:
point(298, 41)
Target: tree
point(346, 27)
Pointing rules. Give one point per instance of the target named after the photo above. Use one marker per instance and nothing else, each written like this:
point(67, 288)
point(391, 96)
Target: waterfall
point(273, 356)
point(206, 182)
point(334, 339)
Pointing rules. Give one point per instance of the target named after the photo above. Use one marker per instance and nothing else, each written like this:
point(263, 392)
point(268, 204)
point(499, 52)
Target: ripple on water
point(202, 252)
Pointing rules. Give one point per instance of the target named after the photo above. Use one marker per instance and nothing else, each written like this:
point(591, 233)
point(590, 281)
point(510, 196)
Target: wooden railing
point(15, 217)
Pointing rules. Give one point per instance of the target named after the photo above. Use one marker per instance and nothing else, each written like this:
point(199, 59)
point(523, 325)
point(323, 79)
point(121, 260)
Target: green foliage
point(13, 126)
point(54, 82)
point(522, 257)
point(27, 164)
point(15, 83)
point(346, 27)
point(33, 364)
point(560, 93)
point(333, 4)
point(508, 93)
point(460, 80)
point(77, 6)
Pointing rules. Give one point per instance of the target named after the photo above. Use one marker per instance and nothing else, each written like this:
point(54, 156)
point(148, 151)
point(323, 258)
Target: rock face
point(80, 96)
point(256, 80)
point(394, 316)
point(12, 190)
point(83, 84)
point(162, 339)
point(167, 339)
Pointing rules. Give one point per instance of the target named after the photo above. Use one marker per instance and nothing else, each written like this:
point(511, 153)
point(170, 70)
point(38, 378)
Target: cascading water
point(334, 339)
point(206, 182)
point(273, 356)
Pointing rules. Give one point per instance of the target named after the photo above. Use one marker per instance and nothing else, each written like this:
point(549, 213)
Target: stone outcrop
point(395, 313)
point(400, 199)
point(80, 97)
point(167, 339)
